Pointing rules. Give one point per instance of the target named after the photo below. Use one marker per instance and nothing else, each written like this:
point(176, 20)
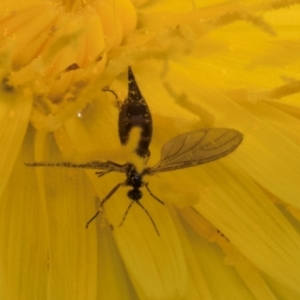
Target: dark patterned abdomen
point(135, 113)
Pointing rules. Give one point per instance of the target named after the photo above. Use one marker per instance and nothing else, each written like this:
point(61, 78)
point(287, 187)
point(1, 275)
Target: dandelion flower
point(229, 229)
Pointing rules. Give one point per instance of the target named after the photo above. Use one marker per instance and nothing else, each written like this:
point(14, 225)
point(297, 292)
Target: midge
point(183, 151)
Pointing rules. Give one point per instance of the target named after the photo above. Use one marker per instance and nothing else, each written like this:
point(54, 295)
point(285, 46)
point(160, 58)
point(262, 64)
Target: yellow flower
point(229, 229)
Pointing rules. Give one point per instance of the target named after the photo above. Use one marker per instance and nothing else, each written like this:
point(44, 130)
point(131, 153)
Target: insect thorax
point(133, 178)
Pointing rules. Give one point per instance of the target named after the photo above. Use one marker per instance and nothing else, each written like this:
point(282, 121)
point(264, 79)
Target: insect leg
point(102, 203)
point(112, 166)
point(102, 173)
point(125, 215)
point(92, 219)
point(107, 89)
point(111, 193)
point(146, 185)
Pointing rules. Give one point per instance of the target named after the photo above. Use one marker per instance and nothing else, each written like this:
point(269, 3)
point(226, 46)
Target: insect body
point(183, 151)
point(135, 112)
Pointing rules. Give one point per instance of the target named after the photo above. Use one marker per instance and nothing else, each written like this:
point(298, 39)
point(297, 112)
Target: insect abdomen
point(135, 113)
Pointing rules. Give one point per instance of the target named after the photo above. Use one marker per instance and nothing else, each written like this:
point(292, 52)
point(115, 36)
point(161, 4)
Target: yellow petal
point(241, 211)
point(71, 247)
point(24, 236)
point(15, 107)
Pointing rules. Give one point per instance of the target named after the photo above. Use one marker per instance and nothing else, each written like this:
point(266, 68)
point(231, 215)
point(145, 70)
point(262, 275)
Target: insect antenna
point(145, 210)
point(151, 194)
point(102, 203)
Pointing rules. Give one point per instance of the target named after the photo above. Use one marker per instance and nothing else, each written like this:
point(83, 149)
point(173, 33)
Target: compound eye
point(135, 195)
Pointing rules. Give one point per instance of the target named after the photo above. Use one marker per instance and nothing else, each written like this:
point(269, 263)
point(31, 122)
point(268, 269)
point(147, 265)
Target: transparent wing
point(106, 167)
point(195, 148)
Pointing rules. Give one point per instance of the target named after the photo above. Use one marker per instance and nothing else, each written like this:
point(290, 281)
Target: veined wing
point(195, 148)
point(106, 167)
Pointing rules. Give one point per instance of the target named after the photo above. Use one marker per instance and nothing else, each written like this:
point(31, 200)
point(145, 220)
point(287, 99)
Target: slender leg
point(111, 166)
point(102, 203)
point(92, 219)
point(111, 193)
point(101, 173)
point(125, 215)
point(146, 185)
point(107, 89)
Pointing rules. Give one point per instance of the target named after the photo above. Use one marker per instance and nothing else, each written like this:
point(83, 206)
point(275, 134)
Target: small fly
point(183, 151)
